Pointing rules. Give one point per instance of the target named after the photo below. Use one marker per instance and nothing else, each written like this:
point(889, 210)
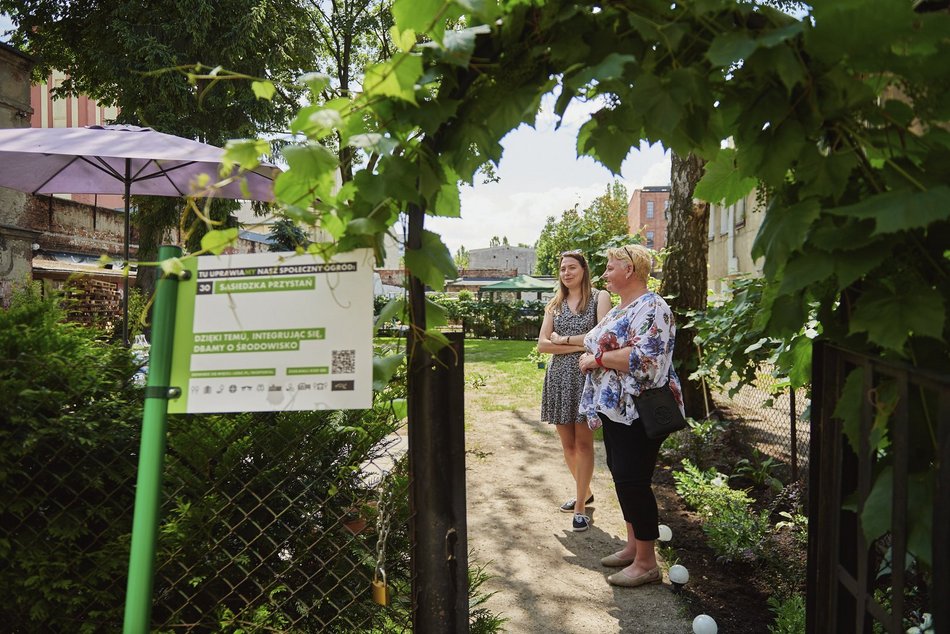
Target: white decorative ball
point(665, 533)
point(704, 624)
point(679, 574)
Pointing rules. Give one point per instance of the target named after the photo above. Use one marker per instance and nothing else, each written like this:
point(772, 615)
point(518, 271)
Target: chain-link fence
point(774, 417)
point(272, 522)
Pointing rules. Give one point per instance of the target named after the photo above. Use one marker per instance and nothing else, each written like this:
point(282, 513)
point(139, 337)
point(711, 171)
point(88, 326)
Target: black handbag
point(659, 412)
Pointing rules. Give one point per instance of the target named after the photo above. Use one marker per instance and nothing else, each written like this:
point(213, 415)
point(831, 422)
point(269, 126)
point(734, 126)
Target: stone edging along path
point(548, 578)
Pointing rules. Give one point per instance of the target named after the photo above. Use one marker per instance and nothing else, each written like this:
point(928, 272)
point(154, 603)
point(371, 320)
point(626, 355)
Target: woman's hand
point(586, 362)
point(561, 340)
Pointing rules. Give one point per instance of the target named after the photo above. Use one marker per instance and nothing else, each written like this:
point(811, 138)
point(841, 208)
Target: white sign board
point(274, 332)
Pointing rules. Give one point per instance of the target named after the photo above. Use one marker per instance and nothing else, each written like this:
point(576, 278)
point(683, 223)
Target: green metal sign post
point(148, 488)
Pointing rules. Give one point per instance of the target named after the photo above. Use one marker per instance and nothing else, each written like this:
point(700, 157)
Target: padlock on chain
point(379, 587)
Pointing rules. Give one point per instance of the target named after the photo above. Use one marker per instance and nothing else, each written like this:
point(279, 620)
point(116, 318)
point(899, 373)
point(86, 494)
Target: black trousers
point(631, 458)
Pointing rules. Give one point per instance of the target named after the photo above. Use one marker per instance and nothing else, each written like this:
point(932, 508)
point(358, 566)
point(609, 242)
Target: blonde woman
point(575, 309)
point(628, 351)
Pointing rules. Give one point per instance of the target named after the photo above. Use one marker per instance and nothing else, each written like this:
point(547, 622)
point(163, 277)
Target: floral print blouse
point(646, 327)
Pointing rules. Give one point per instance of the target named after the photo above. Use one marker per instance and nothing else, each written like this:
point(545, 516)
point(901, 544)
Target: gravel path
point(547, 577)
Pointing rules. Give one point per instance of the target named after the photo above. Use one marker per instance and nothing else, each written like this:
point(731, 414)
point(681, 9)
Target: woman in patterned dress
point(575, 309)
point(629, 350)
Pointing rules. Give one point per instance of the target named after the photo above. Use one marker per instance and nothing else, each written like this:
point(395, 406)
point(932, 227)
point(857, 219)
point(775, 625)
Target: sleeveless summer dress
point(563, 381)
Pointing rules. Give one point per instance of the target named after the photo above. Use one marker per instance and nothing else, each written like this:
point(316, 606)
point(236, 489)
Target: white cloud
point(541, 176)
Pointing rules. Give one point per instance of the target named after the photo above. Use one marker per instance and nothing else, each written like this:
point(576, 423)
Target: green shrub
point(734, 531)
point(789, 614)
point(67, 457)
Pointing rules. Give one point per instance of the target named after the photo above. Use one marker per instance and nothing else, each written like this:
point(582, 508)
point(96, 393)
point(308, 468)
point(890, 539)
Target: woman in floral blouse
point(630, 350)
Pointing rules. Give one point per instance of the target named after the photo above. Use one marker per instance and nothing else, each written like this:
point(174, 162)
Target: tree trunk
point(685, 272)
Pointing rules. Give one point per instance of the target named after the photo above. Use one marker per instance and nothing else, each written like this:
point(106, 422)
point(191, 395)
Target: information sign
point(274, 332)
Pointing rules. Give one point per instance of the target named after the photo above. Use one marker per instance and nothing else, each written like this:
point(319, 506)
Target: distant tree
point(353, 35)
point(504, 241)
point(462, 258)
point(286, 236)
point(494, 242)
point(601, 224)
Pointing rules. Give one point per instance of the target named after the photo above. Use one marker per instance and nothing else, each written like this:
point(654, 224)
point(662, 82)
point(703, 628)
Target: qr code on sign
point(344, 362)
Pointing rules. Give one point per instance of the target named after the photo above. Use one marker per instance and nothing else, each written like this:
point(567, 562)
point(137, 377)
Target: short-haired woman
point(629, 350)
point(575, 309)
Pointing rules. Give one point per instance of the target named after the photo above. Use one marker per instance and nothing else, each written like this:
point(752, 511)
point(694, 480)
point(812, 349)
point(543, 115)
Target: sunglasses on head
point(572, 252)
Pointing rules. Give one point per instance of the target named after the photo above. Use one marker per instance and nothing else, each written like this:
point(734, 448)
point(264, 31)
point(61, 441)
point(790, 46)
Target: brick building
point(648, 213)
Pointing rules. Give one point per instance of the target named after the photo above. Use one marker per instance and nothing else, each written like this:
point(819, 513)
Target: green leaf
point(848, 407)
point(310, 174)
point(364, 227)
point(384, 368)
point(434, 341)
point(312, 160)
point(172, 267)
point(217, 240)
point(263, 89)
point(373, 142)
point(300, 214)
point(783, 231)
point(395, 307)
point(322, 123)
point(890, 315)
point(447, 201)
point(611, 67)
point(396, 77)
point(877, 514)
point(604, 142)
point(896, 211)
point(730, 47)
point(316, 82)
point(404, 40)
point(798, 359)
point(333, 224)
point(457, 46)
point(419, 16)
point(484, 9)
point(436, 315)
point(400, 408)
point(721, 182)
point(246, 153)
point(804, 269)
point(432, 263)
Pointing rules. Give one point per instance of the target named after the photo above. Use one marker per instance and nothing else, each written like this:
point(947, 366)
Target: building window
point(712, 220)
point(649, 209)
point(650, 239)
point(740, 213)
point(724, 219)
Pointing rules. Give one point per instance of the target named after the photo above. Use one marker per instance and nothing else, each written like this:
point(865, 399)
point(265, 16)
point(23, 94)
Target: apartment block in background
point(732, 231)
point(649, 213)
point(71, 112)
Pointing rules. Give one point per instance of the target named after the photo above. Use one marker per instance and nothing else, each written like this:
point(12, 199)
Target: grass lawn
point(499, 375)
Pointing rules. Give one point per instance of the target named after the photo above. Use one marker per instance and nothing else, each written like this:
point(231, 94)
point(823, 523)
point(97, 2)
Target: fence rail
point(774, 417)
point(869, 474)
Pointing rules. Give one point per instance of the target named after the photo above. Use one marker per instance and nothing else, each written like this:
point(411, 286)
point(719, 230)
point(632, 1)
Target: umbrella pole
point(128, 267)
point(148, 487)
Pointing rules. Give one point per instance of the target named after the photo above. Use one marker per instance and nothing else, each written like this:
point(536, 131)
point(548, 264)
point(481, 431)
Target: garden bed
point(735, 593)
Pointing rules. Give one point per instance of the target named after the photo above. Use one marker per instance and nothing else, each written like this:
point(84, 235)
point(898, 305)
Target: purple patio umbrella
point(118, 159)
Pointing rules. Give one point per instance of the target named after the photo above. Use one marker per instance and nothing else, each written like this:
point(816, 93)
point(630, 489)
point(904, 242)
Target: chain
point(382, 527)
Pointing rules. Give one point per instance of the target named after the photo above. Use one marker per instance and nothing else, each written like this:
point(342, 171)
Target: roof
point(256, 237)
point(519, 283)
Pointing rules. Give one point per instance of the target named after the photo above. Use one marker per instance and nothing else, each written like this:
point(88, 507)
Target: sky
point(541, 176)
